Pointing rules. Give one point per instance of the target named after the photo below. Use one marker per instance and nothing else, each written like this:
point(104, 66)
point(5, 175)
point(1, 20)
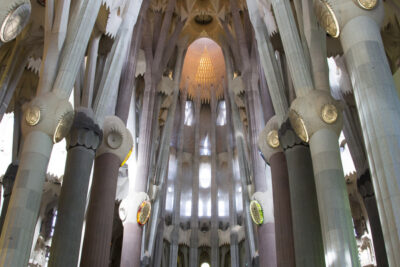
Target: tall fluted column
point(317, 119)
point(234, 246)
point(194, 222)
point(309, 250)
point(8, 183)
point(173, 259)
point(270, 147)
point(378, 108)
point(160, 176)
point(114, 150)
point(84, 138)
point(242, 160)
point(46, 119)
point(266, 231)
point(214, 187)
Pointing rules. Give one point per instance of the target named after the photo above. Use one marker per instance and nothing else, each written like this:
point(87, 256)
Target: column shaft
point(309, 250)
point(333, 203)
point(195, 188)
point(83, 141)
point(379, 111)
point(97, 240)
point(282, 211)
point(20, 221)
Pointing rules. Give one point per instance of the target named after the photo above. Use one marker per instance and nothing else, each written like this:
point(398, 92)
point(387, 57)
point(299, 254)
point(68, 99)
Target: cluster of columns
point(309, 222)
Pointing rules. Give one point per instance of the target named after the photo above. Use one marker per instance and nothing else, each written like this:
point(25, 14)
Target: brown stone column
point(98, 231)
point(282, 211)
point(114, 150)
point(272, 152)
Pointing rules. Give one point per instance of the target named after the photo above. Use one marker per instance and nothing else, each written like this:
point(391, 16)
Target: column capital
point(288, 137)
point(315, 111)
point(333, 15)
point(268, 140)
point(84, 130)
point(117, 139)
point(50, 114)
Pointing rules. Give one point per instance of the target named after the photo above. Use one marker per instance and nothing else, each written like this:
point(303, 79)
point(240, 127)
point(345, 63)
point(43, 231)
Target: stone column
point(84, 138)
point(177, 186)
point(317, 119)
point(194, 222)
point(234, 246)
point(159, 181)
point(378, 107)
point(242, 159)
point(114, 151)
point(309, 250)
point(46, 120)
point(269, 145)
point(8, 182)
point(214, 187)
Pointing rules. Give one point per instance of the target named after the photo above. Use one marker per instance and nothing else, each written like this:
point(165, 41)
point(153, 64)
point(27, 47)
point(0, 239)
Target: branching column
point(242, 160)
point(194, 222)
point(173, 259)
point(214, 186)
point(46, 120)
point(378, 108)
point(317, 119)
point(266, 232)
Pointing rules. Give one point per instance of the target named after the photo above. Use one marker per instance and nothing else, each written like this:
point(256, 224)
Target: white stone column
point(316, 118)
point(378, 108)
point(194, 222)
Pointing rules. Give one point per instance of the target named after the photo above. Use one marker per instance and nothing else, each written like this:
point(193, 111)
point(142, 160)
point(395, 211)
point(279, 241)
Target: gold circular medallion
point(256, 212)
point(298, 125)
point(329, 113)
point(63, 126)
point(326, 18)
point(143, 213)
point(15, 22)
point(32, 115)
point(367, 4)
point(273, 139)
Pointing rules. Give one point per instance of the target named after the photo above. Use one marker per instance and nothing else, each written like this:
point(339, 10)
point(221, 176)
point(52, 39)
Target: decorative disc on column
point(15, 22)
point(273, 139)
point(298, 125)
point(326, 17)
point(329, 113)
point(256, 212)
point(144, 212)
point(63, 126)
point(32, 115)
point(367, 4)
point(114, 139)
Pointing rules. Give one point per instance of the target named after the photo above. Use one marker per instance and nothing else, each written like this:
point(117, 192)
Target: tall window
point(221, 117)
point(205, 147)
point(205, 174)
point(189, 113)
